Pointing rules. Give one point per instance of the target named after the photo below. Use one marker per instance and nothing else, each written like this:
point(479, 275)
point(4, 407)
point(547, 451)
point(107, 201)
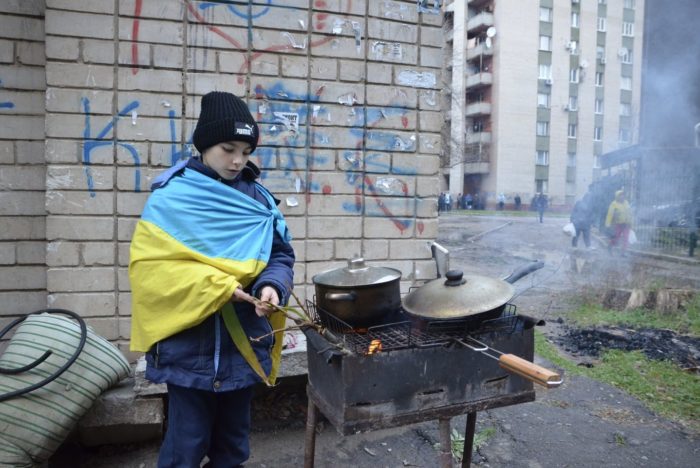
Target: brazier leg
point(310, 439)
point(445, 443)
point(469, 440)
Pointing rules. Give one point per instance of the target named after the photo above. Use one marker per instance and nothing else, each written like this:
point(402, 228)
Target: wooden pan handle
point(530, 371)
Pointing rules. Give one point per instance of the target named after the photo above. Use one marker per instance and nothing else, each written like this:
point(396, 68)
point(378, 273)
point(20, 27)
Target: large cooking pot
point(461, 296)
point(358, 294)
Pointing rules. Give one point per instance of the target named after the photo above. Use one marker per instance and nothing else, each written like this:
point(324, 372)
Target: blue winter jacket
point(204, 357)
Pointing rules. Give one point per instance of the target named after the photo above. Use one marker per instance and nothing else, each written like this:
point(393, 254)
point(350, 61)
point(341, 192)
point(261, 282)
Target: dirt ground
point(583, 423)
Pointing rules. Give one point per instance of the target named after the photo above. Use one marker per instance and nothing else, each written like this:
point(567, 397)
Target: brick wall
point(345, 91)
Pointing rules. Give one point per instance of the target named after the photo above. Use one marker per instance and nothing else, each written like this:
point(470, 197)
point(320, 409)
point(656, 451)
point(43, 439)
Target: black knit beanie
point(224, 117)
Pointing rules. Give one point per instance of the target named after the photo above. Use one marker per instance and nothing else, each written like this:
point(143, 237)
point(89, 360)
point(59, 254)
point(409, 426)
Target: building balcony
point(478, 108)
point(483, 138)
point(479, 80)
point(480, 22)
point(478, 51)
point(478, 3)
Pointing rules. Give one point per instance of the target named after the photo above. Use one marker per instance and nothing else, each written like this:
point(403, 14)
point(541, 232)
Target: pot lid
point(457, 296)
point(357, 273)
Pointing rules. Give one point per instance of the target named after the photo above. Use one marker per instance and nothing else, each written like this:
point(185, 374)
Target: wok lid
point(357, 273)
point(457, 296)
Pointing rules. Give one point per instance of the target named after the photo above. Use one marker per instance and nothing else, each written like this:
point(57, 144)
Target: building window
point(546, 14)
point(596, 162)
point(599, 78)
point(600, 52)
point(541, 186)
point(545, 42)
point(573, 103)
point(624, 135)
point(572, 131)
point(597, 133)
point(625, 55)
point(626, 83)
point(542, 128)
point(602, 2)
point(571, 160)
point(629, 3)
point(478, 126)
point(574, 19)
point(598, 106)
point(543, 158)
point(545, 72)
point(573, 75)
point(543, 100)
point(625, 109)
point(628, 29)
point(601, 24)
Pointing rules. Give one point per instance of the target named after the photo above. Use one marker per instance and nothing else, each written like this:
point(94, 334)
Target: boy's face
point(228, 158)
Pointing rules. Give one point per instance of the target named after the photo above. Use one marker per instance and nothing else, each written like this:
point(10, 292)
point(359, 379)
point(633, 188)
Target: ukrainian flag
point(196, 242)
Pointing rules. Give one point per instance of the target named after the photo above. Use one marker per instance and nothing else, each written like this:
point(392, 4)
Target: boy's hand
point(267, 294)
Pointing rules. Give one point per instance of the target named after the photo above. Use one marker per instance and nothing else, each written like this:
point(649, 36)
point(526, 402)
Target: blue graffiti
point(6, 104)
point(241, 14)
point(91, 143)
point(184, 153)
point(424, 8)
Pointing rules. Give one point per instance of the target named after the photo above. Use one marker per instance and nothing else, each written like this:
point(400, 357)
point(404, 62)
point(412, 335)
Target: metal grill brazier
point(407, 371)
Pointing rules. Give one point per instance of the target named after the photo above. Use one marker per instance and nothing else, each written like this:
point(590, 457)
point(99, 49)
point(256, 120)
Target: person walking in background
point(619, 220)
point(501, 201)
point(441, 202)
point(517, 201)
point(469, 201)
point(448, 201)
point(582, 217)
point(540, 205)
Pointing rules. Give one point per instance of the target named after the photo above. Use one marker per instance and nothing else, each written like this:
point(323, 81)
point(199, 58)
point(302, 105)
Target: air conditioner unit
point(548, 82)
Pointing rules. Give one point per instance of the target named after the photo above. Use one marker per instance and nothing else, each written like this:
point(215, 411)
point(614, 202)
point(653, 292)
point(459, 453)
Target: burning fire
point(374, 347)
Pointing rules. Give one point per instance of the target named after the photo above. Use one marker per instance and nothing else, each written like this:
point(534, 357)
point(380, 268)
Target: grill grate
point(402, 332)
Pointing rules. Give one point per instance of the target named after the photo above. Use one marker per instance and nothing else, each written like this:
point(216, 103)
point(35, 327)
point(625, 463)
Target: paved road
point(583, 423)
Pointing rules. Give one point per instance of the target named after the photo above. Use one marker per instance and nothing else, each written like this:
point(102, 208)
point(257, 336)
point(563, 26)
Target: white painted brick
point(299, 247)
point(388, 206)
point(398, 96)
point(284, 18)
point(338, 25)
point(79, 228)
point(197, 59)
point(69, 126)
point(336, 47)
point(26, 103)
point(29, 253)
point(378, 163)
point(274, 88)
point(427, 229)
point(389, 140)
point(356, 7)
point(162, 32)
point(152, 104)
point(157, 10)
point(294, 66)
point(201, 83)
point(350, 161)
point(297, 226)
point(280, 41)
point(84, 304)
point(375, 249)
point(8, 254)
point(98, 253)
point(431, 19)
point(93, 6)
point(352, 70)
point(426, 207)
point(334, 137)
point(388, 227)
point(145, 129)
point(22, 204)
point(427, 186)
point(430, 143)
point(71, 101)
point(22, 28)
point(150, 80)
point(314, 268)
point(334, 227)
point(22, 227)
point(379, 72)
point(324, 68)
point(21, 178)
point(167, 56)
point(328, 205)
point(430, 57)
point(74, 24)
point(409, 249)
point(124, 304)
point(105, 327)
point(24, 78)
point(429, 99)
point(62, 48)
point(333, 115)
point(336, 183)
point(299, 270)
point(79, 203)
point(123, 254)
point(404, 266)
point(429, 78)
point(392, 31)
point(265, 64)
point(31, 53)
point(230, 62)
point(99, 52)
point(22, 302)
point(17, 278)
point(23, 7)
point(131, 204)
point(226, 37)
point(76, 75)
point(30, 152)
point(123, 279)
point(322, 160)
point(63, 151)
point(62, 254)
point(7, 152)
point(74, 178)
point(319, 250)
point(348, 248)
point(394, 52)
point(21, 127)
point(431, 121)
point(425, 270)
point(96, 155)
point(414, 164)
point(391, 117)
point(430, 36)
point(125, 228)
point(126, 178)
point(398, 11)
point(79, 279)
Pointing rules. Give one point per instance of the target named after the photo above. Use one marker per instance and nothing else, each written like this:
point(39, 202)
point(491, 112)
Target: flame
point(374, 347)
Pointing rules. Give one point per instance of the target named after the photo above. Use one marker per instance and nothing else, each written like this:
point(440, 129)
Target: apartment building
point(539, 90)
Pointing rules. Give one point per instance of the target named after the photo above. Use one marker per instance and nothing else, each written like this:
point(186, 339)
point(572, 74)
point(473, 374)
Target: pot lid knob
point(454, 278)
point(356, 264)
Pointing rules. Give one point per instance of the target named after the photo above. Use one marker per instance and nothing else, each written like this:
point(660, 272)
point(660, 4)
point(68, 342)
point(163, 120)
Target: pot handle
point(529, 370)
point(522, 271)
point(341, 297)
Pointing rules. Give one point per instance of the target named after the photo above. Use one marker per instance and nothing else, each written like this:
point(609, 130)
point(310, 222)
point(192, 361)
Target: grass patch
point(687, 322)
point(660, 385)
point(480, 438)
point(521, 213)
